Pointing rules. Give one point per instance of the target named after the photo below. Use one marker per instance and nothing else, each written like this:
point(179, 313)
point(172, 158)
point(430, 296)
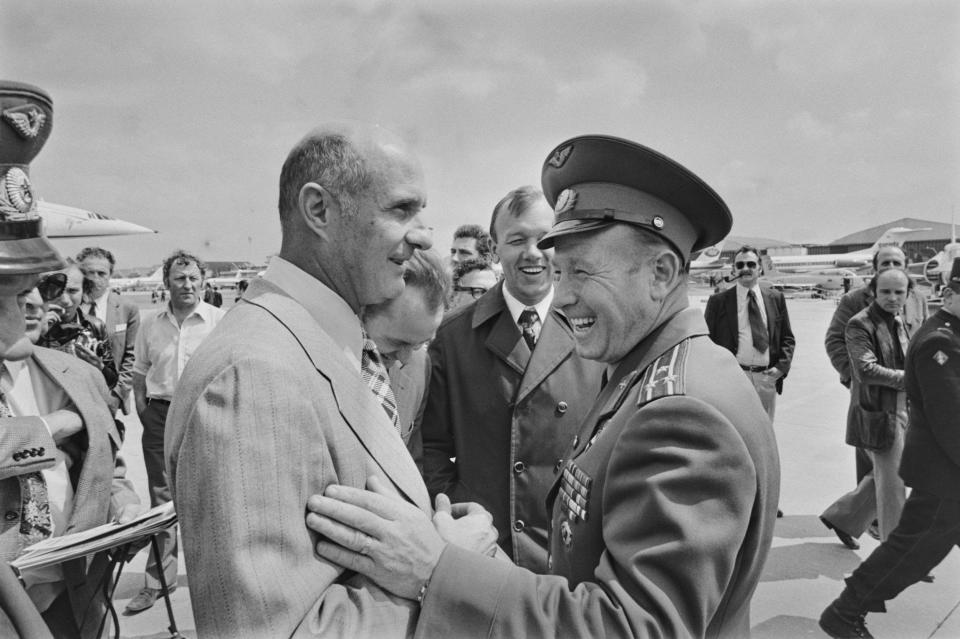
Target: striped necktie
point(375, 374)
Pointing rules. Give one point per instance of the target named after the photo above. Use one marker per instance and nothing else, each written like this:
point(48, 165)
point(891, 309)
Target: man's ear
point(318, 208)
point(666, 267)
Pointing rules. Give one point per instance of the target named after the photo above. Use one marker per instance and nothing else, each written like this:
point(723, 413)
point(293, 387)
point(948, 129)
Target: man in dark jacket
point(876, 343)
point(930, 525)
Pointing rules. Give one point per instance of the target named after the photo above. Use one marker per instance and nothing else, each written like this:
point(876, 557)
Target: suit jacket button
point(519, 467)
point(518, 525)
point(562, 408)
point(11, 515)
point(557, 466)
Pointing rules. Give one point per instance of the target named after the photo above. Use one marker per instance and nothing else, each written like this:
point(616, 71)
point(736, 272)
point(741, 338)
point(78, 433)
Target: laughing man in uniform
point(663, 513)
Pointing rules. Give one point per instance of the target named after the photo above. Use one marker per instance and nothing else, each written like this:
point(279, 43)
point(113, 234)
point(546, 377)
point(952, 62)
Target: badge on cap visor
point(565, 201)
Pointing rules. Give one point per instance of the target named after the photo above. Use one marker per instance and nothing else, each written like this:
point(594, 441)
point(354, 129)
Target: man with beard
point(165, 343)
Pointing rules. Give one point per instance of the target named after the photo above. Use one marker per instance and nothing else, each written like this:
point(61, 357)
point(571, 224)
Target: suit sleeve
point(710, 315)
point(787, 341)
point(243, 459)
point(19, 434)
point(677, 504)
point(415, 443)
point(439, 472)
point(940, 390)
point(125, 365)
point(864, 362)
point(835, 341)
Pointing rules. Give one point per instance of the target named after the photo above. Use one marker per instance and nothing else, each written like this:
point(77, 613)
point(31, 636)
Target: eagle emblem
point(27, 120)
point(560, 156)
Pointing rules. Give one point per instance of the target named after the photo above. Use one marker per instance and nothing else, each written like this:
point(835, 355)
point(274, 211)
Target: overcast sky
point(811, 119)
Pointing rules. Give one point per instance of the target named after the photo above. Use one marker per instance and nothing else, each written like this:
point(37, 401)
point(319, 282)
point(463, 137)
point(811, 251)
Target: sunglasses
point(745, 264)
point(475, 291)
point(51, 286)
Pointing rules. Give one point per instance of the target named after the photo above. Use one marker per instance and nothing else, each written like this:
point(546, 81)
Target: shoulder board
point(665, 376)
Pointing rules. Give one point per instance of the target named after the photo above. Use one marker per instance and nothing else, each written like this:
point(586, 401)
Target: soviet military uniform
point(663, 511)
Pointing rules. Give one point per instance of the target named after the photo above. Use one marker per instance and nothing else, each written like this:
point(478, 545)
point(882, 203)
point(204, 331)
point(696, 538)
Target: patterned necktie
point(529, 322)
point(901, 334)
point(93, 309)
point(757, 330)
point(375, 374)
point(35, 521)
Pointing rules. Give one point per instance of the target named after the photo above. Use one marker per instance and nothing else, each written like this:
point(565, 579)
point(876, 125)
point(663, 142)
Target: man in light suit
point(764, 357)
point(505, 406)
point(274, 405)
point(59, 470)
point(663, 512)
point(121, 316)
point(401, 328)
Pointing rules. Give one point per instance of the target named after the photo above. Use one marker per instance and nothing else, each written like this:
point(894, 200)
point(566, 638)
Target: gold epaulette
point(665, 376)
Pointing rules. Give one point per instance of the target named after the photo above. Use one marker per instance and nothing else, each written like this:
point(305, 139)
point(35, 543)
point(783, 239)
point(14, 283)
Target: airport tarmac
point(807, 563)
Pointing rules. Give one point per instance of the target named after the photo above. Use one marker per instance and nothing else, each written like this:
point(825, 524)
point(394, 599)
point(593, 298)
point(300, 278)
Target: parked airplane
point(937, 269)
point(853, 260)
point(709, 259)
point(60, 220)
point(830, 279)
point(233, 278)
point(149, 282)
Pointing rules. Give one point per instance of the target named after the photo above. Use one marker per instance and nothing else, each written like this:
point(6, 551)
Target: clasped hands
point(391, 541)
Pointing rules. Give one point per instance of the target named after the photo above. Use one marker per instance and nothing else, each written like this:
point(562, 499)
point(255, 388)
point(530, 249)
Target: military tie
point(35, 521)
point(375, 374)
point(757, 329)
point(530, 325)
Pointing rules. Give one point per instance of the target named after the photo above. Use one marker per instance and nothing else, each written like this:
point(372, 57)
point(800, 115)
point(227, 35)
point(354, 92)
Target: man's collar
point(516, 307)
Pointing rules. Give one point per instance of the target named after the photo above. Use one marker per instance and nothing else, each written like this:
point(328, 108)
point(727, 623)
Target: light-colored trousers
point(766, 387)
point(880, 495)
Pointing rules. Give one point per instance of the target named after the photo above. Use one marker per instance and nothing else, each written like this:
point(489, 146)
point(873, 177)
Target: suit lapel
point(359, 408)
point(772, 316)
point(504, 339)
point(733, 320)
point(555, 344)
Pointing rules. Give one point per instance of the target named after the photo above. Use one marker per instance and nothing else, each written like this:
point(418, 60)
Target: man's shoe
point(145, 599)
point(779, 514)
point(874, 530)
point(839, 626)
point(846, 539)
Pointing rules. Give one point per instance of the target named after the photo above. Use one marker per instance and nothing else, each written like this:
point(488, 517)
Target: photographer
point(68, 329)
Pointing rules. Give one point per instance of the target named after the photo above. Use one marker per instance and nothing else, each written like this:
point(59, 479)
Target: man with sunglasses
point(471, 279)
point(751, 321)
point(508, 389)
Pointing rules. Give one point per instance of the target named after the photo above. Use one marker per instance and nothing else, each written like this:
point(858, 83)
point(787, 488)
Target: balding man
point(280, 401)
point(663, 508)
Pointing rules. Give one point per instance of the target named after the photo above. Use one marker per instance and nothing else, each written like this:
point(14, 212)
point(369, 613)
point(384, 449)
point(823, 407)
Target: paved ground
point(807, 563)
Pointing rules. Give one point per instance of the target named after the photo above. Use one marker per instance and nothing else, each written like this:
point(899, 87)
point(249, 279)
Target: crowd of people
point(537, 436)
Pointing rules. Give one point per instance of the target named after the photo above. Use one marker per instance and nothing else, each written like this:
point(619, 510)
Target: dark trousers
point(153, 419)
point(929, 528)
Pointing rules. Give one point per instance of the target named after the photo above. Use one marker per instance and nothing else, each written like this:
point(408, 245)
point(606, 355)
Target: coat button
point(518, 525)
point(11, 515)
point(562, 408)
point(17, 456)
point(519, 467)
point(557, 466)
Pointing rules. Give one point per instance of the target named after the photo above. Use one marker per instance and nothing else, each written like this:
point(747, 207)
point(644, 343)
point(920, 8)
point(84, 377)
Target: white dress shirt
point(747, 354)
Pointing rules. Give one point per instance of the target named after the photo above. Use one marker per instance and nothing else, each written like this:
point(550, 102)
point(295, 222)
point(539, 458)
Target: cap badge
point(560, 156)
point(27, 120)
point(16, 196)
point(940, 357)
point(657, 222)
point(566, 201)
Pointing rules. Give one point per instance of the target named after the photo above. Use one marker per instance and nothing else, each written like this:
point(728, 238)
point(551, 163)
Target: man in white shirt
point(164, 344)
